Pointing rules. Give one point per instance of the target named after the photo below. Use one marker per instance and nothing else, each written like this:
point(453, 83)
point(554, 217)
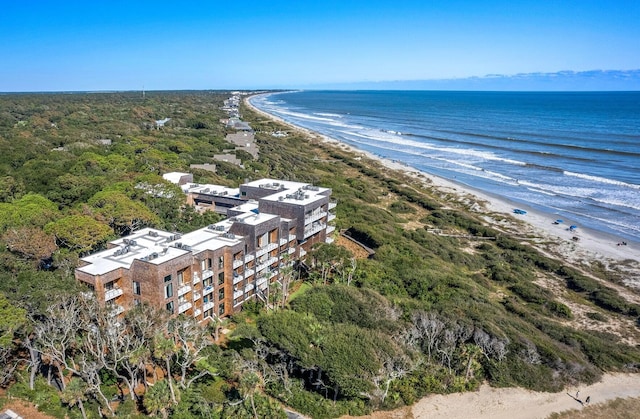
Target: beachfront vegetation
point(446, 302)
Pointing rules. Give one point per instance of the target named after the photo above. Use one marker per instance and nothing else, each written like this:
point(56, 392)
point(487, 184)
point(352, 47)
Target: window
point(167, 278)
point(209, 263)
point(208, 313)
point(221, 294)
point(203, 265)
point(221, 262)
point(221, 309)
point(207, 282)
point(136, 288)
point(168, 290)
point(170, 307)
point(109, 286)
point(221, 278)
point(244, 193)
point(207, 298)
point(263, 240)
point(181, 277)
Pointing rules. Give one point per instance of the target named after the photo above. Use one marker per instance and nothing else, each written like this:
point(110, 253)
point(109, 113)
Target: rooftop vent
point(153, 233)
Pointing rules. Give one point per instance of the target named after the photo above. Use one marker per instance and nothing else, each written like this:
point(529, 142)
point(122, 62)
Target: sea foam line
point(601, 180)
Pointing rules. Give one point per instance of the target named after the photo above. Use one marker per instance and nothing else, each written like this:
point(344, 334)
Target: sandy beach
point(582, 247)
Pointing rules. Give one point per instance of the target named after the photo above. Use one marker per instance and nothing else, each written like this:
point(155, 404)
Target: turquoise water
point(575, 155)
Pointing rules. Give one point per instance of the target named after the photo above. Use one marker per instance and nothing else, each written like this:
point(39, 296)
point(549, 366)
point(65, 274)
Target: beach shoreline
point(554, 239)
point(537, 228)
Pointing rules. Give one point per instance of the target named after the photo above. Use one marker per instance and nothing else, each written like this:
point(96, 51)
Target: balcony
point(116, 309)
point(267, 263)
point(302, 252)
point(330, 229)
point(292, 250)
point(207, 274)
point(238, 294)
point(248, 258)
point(238, 263)
point(208, 290)
point(261, 280)
point(184, 307)
point(196, 296)
point(314, 216)
point(196, 278)
point(184, 289)
point(264, 249)
point(283, 241)
point(313, 229)
point(112, 293)
point(207, 306)
point(237, 278)
point(331, 217)
point(332, 204)
point(197, 312)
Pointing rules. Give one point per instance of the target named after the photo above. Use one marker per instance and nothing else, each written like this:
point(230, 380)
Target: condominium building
point(214, 270)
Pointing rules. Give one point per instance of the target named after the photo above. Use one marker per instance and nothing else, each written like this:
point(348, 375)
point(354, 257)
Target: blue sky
point(123, 45)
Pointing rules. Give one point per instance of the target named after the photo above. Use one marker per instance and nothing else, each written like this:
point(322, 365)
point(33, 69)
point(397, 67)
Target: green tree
point(79, 233)
point(158, 399)
point(122, 213)
point(75, 393)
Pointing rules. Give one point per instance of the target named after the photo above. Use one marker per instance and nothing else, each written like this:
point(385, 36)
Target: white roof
point(209, 189)
point(174, 177)
point(157, 246)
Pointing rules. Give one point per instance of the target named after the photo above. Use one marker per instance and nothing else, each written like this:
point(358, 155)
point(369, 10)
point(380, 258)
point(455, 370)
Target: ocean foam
point(602, 180)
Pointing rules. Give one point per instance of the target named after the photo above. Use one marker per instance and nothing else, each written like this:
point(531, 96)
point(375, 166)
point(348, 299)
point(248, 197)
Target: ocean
point(573, 155)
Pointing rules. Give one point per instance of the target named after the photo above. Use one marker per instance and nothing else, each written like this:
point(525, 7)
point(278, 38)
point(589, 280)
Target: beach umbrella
point(573, 227)
point(559, 221)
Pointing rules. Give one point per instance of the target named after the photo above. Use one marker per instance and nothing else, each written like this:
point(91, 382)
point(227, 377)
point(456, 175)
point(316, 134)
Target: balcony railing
point(330, 229)
point(331, 217)
point(237, 278)
point(207, 306)
point(332, 204)
point(196, 296)
point(184, 289)
point(184, 307)
point(196, 278)
point(238, 263)
point(207, 274)
point(313, 229)
point(238, 294)
point(207, 290)
point(116, 309)
point(302, 252)
point(292, 250)
point(314, 216)
point(264, 249)
point(266, 263)
point(197, 312)
point(249, 258)
point(112, 293)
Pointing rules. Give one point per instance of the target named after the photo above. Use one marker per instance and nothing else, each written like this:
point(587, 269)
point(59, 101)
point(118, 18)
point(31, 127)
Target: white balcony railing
point(207, 290)
point(266, 263)
point(237, 294)
point(248, 272)
point(302, 252)
point(248, 258)
point(207, 274)
point(313, 229)
point(264, 249)
point(292, 250)
point(331, 217)
point(196, 296)
point(196, 278)
point(237, 278)
point(330, 229)
point(207, 306)
point(314, 216)
point(184, 289)
point(184, 307)
point(112, 293)
point(261, 280)
point(197, 312)
point(116, 309)
point(332, 204)
point(238, 263)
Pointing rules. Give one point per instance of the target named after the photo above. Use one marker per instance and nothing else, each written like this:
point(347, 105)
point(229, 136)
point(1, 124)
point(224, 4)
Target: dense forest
point(426, 313)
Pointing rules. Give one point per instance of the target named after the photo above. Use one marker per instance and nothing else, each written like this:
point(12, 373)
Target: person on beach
point(588, 400)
